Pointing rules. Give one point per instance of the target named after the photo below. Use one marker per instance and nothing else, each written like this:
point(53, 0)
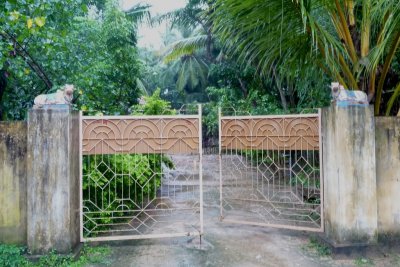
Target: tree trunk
point(243, 88)
point(3, 85)
point(281, 92)
point(209, 47)
point(283, 98)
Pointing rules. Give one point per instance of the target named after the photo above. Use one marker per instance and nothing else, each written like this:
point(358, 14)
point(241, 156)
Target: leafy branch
point(32, 63)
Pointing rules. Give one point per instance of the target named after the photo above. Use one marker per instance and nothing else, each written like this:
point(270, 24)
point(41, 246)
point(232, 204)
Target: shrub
point(11, 256)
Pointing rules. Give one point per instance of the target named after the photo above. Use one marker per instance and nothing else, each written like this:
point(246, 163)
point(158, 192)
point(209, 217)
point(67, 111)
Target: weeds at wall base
point(363, 262)
point(316, 246)
point(11, 255)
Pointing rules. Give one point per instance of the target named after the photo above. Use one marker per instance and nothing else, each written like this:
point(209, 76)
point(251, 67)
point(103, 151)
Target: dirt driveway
point(236, 245)
point(223, 245)
point(239, 246)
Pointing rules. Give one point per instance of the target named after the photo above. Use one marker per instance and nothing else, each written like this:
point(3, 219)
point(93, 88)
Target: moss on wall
point(13, 162)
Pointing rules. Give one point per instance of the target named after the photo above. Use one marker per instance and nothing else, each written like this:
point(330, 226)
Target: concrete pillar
point(388, 177)
point(53, 180)
point(13, 182)
point(350, 206)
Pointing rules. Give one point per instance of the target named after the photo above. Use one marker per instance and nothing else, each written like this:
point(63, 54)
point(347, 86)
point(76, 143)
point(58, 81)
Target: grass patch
point(396, 260)
point(321, 249)
point(13, 256)
point(363, 262)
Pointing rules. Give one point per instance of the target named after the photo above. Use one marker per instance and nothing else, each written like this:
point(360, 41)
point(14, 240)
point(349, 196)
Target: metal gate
point(129, 186)
point(270, 171)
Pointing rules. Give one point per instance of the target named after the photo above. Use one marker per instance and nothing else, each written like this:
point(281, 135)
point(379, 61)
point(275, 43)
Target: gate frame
point(280, 226)
point(148, 236)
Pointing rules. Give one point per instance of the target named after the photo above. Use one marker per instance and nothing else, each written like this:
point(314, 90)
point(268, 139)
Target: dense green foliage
point(29, 32)
point(108, 77)
point(153, 105)
point(287, 51)
point(199, 58)
point(124, 176)
point(195, 67)
point(355, 42)
point(46, 44)
point(295, 49)
point(187, 56)
point(13, 256)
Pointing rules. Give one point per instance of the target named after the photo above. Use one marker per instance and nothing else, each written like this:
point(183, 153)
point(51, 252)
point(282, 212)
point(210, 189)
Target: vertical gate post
point(349, 176)
point(53, 180)
point(200, 111)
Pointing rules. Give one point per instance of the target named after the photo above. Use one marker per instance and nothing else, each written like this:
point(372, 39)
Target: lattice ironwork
point(270, 171)
point(130, 186)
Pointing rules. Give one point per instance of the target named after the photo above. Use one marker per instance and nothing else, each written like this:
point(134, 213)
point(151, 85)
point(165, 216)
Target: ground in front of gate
point(238, 245)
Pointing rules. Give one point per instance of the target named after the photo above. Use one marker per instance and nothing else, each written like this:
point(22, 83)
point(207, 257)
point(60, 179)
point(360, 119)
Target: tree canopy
point(284, 51)
point(354, 42)
point(46, 44)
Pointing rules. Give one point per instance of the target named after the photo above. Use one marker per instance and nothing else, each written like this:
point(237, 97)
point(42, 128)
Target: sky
point(151, 37)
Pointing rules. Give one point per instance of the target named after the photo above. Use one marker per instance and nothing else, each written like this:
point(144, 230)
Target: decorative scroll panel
point(135, 135)
point(286, 133)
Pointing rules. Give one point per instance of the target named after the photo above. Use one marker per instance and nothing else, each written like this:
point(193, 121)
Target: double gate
point(141, 176)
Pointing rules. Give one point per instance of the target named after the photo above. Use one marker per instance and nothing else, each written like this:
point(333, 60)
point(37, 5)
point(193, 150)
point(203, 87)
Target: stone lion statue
point(63, 96)
point(347, 97)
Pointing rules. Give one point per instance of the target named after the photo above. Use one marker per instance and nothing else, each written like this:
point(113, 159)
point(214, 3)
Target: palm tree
point(193, 17)
point(354, 41)
point(191, 55)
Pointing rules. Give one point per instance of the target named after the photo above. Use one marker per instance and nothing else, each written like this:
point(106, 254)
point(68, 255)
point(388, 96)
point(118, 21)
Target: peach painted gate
point(130, 188)
point(270, 171)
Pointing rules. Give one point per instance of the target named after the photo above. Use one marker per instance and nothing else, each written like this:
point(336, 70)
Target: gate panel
point(270, 171)
point(130, 188)
point(128, 135)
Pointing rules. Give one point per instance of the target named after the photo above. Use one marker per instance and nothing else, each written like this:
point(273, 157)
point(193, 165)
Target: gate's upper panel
point(147, 134)
point(300, 132)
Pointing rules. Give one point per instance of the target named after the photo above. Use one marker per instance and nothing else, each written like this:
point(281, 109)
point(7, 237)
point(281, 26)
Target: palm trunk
point(386, 66)
point(346, 31)
point(209, 47)
point(392, 99)
point(280, 89)
point(350, 11)
point(365, 28)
